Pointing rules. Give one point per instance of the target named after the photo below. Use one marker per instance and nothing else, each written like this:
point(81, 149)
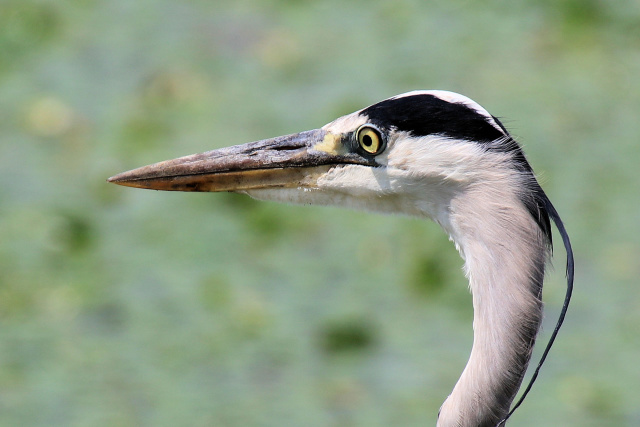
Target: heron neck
point(504, 261)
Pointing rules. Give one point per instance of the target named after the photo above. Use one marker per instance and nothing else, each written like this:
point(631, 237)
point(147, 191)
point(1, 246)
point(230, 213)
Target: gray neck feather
point(504, 260)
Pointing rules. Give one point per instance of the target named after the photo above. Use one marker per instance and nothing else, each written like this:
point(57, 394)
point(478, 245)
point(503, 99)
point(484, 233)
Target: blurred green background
point(122, 307)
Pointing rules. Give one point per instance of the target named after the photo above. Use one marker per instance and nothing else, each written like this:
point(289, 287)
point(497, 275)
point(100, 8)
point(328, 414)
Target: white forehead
point(347, 123)
point(454, 98)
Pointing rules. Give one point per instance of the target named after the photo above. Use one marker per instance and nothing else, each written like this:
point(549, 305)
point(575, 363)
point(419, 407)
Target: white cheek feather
point(452, 160)
point(428, 173)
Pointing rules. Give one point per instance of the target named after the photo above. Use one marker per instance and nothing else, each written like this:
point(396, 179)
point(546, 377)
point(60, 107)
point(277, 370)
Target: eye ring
point(370, 139)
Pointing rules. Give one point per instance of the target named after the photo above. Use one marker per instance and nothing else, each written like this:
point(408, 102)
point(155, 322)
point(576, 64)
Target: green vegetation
point(122, 307)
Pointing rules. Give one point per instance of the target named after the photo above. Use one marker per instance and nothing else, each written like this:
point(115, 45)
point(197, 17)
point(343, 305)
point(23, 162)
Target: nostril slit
point(286, 148)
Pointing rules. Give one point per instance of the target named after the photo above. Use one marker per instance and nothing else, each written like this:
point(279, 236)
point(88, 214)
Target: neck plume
point(504, 261)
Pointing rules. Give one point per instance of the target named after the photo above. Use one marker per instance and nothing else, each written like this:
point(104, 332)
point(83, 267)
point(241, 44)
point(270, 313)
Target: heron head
point(403, 154)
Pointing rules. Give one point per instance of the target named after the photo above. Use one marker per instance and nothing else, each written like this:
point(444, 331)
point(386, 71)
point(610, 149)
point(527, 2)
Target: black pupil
point(366, 140)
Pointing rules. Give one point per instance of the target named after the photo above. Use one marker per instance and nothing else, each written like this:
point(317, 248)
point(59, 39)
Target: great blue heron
point(433, 154)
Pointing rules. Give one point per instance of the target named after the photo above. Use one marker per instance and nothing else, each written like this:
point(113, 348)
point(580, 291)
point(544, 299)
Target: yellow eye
point(370, 140)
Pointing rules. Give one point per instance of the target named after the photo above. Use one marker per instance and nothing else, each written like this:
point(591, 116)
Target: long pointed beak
point(286, 161)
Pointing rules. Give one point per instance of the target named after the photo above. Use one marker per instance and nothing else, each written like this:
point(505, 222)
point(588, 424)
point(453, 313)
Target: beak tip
point(116, 179)
point(124, 178)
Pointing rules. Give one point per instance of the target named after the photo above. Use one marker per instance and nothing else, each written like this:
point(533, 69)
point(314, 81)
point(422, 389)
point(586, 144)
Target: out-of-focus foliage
point(121, 307)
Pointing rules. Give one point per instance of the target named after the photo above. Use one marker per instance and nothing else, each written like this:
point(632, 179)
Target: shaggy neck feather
point(504, 261)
